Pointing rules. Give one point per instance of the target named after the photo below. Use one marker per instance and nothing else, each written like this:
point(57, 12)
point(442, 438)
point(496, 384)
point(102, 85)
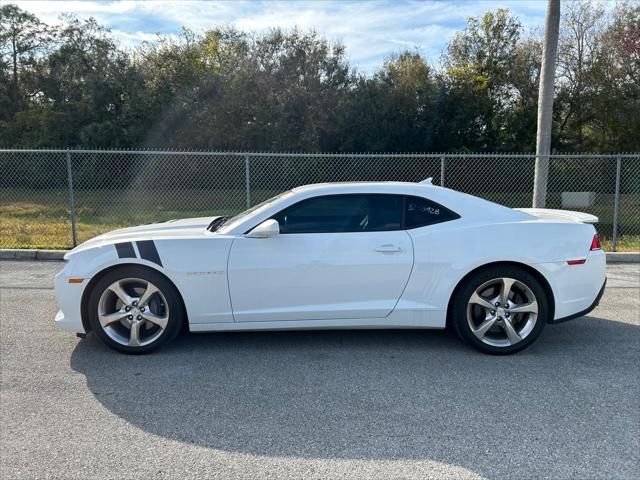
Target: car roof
point(370, 187)
point(471, 207)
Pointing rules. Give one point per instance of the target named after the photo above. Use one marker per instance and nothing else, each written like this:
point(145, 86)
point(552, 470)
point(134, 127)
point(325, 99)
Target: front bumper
point(69, 324)
point(69, 297)
point(586, 310)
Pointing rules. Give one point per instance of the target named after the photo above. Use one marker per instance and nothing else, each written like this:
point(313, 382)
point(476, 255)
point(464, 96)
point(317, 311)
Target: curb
point(35, 254)
point(31, 254)
point(623, 257)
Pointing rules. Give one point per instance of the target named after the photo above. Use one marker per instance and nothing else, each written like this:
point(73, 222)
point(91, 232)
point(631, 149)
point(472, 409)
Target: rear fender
point(445, 254)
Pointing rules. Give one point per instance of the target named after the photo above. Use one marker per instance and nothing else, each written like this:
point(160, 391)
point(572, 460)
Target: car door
point(336, 257)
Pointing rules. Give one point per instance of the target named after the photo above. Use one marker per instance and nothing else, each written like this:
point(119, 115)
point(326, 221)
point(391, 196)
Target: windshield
point(232, 222)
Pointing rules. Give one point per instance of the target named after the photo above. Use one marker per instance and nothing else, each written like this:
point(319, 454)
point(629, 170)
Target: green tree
point(520, 117)
point(22, 37)
point(297, 82)
point(580, 35)
point(73, 85)
point(183, 79)
point(396, 110)
point(615, 76)
point(88, 80)
point(479, 68)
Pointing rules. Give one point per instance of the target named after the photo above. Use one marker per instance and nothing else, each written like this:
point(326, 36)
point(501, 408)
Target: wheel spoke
point(512, 335)
point(146, 296)
point(531, 307)
point(505, 289)
point(134, 334)
point(107, 319)
point(121, 293)
point(124, 307)
point(484, 327)
point(158, 320)
point(478, 300)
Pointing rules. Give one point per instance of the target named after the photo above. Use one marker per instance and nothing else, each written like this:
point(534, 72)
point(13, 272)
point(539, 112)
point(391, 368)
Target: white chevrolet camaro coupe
point(343, 255)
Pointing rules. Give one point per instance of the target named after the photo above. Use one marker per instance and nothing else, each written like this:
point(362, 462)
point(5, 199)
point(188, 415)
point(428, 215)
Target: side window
point(420, 212)
point(343, 213)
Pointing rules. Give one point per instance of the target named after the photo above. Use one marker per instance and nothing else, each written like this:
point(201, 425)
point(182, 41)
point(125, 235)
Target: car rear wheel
point(134, 309)
point(500, 310)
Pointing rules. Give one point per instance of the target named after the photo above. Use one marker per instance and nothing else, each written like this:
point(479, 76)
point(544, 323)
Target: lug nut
point(139, 317)
point(507, 314)
point(127, 308)
point(130, 317)
point(497, 304)
point(135, 304)
point(142, 309)
point(493, 312)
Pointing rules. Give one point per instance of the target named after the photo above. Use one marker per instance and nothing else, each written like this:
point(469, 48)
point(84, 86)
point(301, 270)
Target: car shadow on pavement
point(384, 395)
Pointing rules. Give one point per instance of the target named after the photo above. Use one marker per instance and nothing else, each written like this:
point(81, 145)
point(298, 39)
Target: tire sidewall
point(461, 300)
point(167, 288)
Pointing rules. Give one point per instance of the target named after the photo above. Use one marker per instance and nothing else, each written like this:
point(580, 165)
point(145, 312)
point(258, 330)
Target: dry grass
point(40, 218)
point(48, 233)
point(34, 219)
point(626, 243)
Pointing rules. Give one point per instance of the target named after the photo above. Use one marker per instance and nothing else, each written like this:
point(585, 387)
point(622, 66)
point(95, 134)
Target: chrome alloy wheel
point(502, 312)
point(133, 312)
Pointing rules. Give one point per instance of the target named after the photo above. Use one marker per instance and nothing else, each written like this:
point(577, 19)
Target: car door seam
point(413, 261)
point(233, 316)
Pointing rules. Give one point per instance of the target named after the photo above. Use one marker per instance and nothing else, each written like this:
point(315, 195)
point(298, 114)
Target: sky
point(370, 30)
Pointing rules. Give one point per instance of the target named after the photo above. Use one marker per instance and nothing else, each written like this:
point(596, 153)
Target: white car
point(349, 255)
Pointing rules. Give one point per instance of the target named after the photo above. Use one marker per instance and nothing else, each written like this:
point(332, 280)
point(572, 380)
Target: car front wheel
point(134, 309)
point(500, 310)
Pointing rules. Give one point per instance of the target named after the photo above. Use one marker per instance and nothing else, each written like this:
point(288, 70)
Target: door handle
point(388, 249)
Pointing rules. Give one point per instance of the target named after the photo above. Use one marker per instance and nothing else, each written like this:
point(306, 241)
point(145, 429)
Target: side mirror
point(267, 229)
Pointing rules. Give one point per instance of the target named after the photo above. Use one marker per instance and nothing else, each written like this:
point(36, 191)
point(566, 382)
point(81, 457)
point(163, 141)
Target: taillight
point(595, 243)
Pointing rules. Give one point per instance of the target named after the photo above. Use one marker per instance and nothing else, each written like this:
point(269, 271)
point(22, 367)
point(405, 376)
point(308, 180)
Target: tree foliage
point(73, 85)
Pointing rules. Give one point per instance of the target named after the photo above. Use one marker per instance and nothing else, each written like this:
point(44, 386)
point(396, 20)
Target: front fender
point(197, 267)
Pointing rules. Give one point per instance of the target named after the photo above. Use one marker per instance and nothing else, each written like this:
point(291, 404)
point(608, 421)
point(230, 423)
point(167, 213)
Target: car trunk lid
point(559, 215)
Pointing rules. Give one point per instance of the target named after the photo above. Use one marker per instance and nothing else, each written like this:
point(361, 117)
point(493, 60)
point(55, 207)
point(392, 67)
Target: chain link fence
point(59, 198)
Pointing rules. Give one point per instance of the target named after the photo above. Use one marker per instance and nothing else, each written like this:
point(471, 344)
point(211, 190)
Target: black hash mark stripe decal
point(148, 251)
point(125, 250)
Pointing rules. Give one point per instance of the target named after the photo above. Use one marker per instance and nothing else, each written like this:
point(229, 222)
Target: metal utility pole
point(545, 102)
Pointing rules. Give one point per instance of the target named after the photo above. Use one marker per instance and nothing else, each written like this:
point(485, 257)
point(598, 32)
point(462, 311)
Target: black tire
point(176, 315)
point(460, 301)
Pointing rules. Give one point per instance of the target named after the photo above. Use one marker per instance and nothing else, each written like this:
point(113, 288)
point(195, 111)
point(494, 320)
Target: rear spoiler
point(560, 214)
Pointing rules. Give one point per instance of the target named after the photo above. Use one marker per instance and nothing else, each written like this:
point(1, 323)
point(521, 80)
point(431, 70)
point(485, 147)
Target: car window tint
point(385, 213)
point(420, 212)
point(342, 213)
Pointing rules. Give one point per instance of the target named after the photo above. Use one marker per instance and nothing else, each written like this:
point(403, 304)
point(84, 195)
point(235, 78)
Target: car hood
point(171, 228)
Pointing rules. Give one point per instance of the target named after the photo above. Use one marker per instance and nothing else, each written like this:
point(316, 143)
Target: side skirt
point(337, 324)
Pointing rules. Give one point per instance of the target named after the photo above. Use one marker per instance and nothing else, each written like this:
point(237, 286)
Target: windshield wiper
point(217, 223)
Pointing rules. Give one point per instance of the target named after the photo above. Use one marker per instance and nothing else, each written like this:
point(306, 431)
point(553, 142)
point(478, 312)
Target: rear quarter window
point(421, 212)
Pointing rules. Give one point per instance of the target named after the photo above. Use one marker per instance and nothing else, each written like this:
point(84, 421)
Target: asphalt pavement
point(342, 404)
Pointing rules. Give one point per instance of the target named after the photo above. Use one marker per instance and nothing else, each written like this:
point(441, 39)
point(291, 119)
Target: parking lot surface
point(341, 404)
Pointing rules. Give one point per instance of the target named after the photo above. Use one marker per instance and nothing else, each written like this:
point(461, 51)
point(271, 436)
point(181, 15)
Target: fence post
point(616, 204)
point(72, 199)
point(443, 167)
point(247, 180)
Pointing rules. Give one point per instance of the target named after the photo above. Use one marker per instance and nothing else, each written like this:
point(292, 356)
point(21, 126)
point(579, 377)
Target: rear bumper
point(586, 310)
point(575, 287)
